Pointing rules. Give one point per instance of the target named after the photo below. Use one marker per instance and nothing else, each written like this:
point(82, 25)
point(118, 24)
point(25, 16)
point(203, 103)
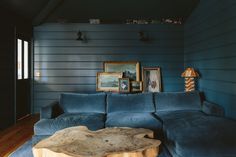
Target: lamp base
point(189, 84)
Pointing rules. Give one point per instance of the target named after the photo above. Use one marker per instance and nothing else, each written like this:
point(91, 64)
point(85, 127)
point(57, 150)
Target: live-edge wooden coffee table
point(108, 142)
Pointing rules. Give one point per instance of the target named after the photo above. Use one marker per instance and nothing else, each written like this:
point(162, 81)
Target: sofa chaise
point(186, 126)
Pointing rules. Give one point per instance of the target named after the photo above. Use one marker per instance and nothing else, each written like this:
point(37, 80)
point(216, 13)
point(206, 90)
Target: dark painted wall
point(210, 46)
point(67, 65)
point(11, 24)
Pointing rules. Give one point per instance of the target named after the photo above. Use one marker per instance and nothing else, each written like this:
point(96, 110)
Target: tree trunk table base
point(108, 142)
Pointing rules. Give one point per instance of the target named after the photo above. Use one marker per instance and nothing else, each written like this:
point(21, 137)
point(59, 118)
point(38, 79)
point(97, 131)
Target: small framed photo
point(124, 85)
point(108, 82)
point(151, 79)
point(136, 86)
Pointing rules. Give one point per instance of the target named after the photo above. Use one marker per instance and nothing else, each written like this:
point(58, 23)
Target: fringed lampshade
point(189, 74)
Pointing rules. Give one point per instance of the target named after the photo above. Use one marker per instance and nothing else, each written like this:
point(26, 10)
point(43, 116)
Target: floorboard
point(13, 137)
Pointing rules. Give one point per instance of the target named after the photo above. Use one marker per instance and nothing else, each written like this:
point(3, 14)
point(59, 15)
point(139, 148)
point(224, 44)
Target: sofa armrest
point(50, 111)
point(212, 109)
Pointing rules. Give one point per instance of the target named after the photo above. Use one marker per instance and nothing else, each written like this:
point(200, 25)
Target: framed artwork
point(130, 69)
point(136, 86)
point(108, 82)
point(124, 85)
point(151, 79)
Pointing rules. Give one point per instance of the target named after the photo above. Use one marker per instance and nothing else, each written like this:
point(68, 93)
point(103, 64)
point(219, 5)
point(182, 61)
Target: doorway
point(22, 87)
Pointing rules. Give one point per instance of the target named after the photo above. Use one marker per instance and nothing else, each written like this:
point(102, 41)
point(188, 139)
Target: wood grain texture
point(14, 136)
point(108, 142)
point(210, 44)
point(68, 65)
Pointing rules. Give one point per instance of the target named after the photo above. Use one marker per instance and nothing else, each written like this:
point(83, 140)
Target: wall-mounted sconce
point(143, 36)
point(80, 36)
point(37, 74)
point(189, 74)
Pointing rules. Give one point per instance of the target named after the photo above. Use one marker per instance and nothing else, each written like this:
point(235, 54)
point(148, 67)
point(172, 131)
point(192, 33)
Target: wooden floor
point(13, 137)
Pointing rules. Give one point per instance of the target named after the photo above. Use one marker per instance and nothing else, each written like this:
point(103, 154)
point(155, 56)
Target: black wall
point(11, 25)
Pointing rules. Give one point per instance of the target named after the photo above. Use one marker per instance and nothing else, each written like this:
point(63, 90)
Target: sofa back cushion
point(172, 101)
point(83, 103)
point(130, 103)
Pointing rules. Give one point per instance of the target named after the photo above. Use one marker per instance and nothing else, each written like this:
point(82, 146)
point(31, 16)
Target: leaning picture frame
point(136, 86)
point(124, 85)
point(108, 81)
point(130, 69)
point(151, 79)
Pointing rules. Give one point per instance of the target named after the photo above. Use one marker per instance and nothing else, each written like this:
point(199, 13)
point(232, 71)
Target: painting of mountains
point(129, 69)
point(108, 81)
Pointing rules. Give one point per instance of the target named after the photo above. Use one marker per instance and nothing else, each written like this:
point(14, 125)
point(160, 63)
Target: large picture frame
point(108, 81)
point(130, 69)
point(151, 79)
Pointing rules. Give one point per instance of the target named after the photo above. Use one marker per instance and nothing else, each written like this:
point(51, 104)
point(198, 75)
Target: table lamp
point(189, 74)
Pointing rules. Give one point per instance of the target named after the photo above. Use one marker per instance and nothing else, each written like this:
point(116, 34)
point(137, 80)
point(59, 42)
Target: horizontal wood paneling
point(107, 43)
point(68, 65)
point(73, 27)
point(109, 35)
point(95, 58)
point(95, 65)
point(107, 50)
point(210, 45)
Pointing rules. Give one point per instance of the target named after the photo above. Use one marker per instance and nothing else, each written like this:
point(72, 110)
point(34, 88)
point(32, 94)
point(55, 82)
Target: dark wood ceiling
point(41, 11)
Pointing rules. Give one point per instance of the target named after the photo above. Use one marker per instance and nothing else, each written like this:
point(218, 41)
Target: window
point(22, 59)
point(19, 59)
point(26, 61)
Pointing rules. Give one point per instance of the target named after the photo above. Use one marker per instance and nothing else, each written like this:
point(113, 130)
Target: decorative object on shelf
point(94, 21)
point(143, 37)
point(137, 21)
point(136, 86)
point(151, 79)
point(129, 69)
point(124, 85)
point(80, 36)
point(108, 81)
point(176, 21)
point(189, 74)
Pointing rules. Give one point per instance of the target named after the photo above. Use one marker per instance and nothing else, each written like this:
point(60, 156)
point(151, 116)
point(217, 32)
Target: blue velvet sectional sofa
point(186, 126)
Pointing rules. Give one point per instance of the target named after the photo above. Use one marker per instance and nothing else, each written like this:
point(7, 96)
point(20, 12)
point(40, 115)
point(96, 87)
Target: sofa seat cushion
point(93, 121)
point(195, 134)
point(134, 120)
point(141, 102)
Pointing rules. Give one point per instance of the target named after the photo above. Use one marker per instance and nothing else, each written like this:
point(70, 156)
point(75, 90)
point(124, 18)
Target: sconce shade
point(190, 72)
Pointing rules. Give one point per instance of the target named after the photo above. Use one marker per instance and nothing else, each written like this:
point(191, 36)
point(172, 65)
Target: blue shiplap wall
point(210, 46)
point(67, 65)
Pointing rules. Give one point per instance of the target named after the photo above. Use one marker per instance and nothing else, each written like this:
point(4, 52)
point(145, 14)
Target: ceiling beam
point(46, 11)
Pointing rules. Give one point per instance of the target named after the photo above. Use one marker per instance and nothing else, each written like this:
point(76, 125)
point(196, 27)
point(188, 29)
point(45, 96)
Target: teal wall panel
point(210, 47)
point(68, 65)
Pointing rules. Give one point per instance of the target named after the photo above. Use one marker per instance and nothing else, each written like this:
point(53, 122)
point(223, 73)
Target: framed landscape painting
point(137, 86)
point(108, 81)
point(151, 79)
point(130, 69)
